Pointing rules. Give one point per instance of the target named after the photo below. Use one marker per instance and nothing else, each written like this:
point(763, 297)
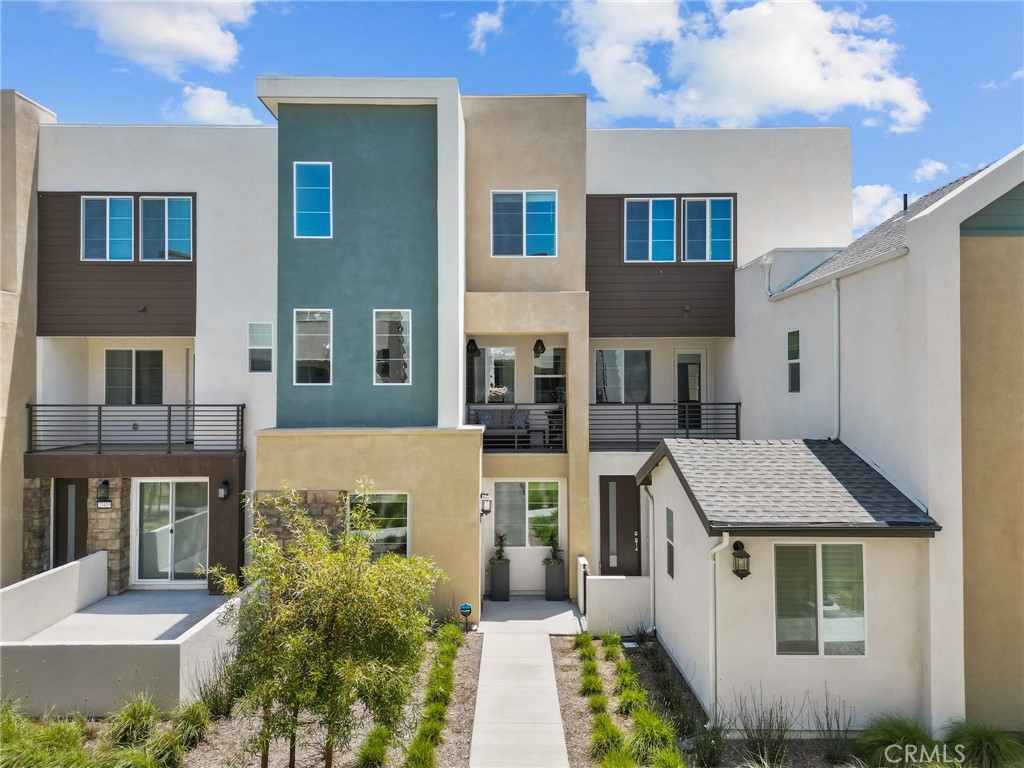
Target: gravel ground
point(454, 752)
point(577, 721)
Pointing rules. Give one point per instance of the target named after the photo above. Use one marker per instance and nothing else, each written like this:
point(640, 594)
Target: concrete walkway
point(518, 722)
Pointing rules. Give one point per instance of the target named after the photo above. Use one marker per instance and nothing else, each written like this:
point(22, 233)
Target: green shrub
point(688, 721)
point(451, 633)
point(53, 735)
point(590, 668)
point(612, 652)
point(420, 754)
point(627, 682)
point(128, 757)
point(12, 723)
point(709, 744)
point(631, 700)
point(435, 712)
point(833, 722)
point(886, 730)
point(132, 723)
point(582, 640)
point(598, 704)
point(623, 666)
point(650, 733)
point(588, 653)
point(605, 738)
point(667, 757)
point(439, 694)
point(431, 730)
point(983, 746)
point(373, 753)
point(441, 675)
point(191, 721)
point(610, 640)
point(218, 686)
point(617, 759)
point(590, 684)
point(765, 725)
point(166, 749)
point(446, 654)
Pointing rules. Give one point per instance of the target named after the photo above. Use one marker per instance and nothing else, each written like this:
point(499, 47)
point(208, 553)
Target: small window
point(491, 375)
point(526, 512)
point(709, 229)
point(524, 223)
point(392, 346)
point(313, 346)
point(133, 377)
point(650, 229)
point(670, 546)
point(819, 600)
point(166, 229)
point(793, 356)
point(391, 515)
point(623, 375)
point(107, 229)
point(261, 347)
point(313, 200)
point(549, 376)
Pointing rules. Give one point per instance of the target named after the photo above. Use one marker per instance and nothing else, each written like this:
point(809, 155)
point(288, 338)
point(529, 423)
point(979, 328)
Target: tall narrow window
point(650, 229)
point(166, 229)
point(709, 229)
point(134, 377)
point(796, 600)
point(313, 200)
point(312, 346)
point(623, 376)
point(261, 347)
point(527, 513)
point(549, 376)
point(392, 344)
point(793, 356)
point(842, 599)
point(670, 542)
point(108, 228)
point(491, 375)
point(524, 223)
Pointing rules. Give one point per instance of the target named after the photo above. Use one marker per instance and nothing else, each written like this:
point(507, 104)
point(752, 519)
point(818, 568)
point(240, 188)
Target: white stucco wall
point(792, 184)
point(34, 604)
point(605, 463)
point(663, 363)
point(233, 171)
point(63, 370)
point(618, 604)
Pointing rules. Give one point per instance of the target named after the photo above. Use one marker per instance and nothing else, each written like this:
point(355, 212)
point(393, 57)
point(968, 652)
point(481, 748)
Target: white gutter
point(713, 628)
point(895, 253)
point(835, 360)
point(650, 544)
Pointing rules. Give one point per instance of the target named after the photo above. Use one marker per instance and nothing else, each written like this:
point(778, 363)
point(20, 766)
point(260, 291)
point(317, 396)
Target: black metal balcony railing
point(641, 426)
point(136, 428)
point(534, 428)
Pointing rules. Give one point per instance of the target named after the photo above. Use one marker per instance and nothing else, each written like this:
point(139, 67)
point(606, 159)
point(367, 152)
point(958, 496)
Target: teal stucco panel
point(382, 255)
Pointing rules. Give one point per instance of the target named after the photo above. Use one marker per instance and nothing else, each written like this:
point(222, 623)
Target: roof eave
point(895, 253)
point(849, 531)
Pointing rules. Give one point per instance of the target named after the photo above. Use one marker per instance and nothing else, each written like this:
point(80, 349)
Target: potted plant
point(499, 569)
point(554, 570)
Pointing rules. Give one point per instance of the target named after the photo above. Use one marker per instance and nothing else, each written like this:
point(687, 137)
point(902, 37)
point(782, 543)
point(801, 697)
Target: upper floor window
point(549, 376)
point(651, 229)
point(312, 346)
point(313, 200)
point(107, 228)
point(709, 229)
point(261, 347)
point(392, 346)
point(166, 228)
point(133, 377)
point(623, 375)
point(793, 358)
point(524, 223)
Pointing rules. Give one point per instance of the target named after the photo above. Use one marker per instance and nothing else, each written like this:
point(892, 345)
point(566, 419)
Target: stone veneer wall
point(36, 533)
point(110, 530)
point(327, 507)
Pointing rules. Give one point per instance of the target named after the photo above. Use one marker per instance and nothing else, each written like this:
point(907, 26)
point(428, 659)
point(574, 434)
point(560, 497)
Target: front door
point(620, 526)
point(688, 390)
point(69, 521)
point(171, 529)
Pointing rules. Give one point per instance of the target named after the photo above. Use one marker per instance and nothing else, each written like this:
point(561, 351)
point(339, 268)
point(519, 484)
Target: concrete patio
point(531, 615)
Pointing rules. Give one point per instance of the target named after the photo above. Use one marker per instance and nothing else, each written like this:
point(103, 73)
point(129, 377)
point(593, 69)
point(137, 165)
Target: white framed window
point(549, 369)
point(670, 543)
point(708, 225)
point(108, 228)
point(650, 229)
point(313, 336)
point(260, 338)
point(391, 515)
point(819, 599)
point(133, 376)
point(392, 346)
point(165, 225)
point(622, 375)
point(524, 223)
point(313, 200)
point(526, 512)
point(793, 360)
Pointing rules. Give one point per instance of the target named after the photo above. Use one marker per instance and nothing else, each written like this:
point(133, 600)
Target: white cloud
point(929, 169)
point(1018, 75)
point(201, 104)
point(483, 24)
point(165, 37)
point(735, 67)
point(993, 85)
point(873, 204)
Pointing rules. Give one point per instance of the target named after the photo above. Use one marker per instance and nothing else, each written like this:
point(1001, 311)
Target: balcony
point(641, 426)
point(99, 429)
point(531, 428)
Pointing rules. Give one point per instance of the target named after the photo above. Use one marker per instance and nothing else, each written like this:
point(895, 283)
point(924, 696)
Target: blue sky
point(931, 90)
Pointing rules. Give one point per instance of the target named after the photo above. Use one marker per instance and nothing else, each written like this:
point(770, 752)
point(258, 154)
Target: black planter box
point(499, 582)
point(554, 582)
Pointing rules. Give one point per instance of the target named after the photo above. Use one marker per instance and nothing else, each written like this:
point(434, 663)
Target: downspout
point(713, 628)
point(835, 361)
point(650, 560)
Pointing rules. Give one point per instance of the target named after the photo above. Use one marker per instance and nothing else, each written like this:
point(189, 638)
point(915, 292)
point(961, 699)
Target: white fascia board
point(995, 181)
point(895, 253)
point(273, 91)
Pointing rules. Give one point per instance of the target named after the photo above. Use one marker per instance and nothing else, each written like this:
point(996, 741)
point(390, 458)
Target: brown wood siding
point(102, 298)
point(649, 299)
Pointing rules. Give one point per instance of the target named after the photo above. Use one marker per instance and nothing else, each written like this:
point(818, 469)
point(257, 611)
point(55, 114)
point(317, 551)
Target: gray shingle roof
point(885, 238)
point(791, 486)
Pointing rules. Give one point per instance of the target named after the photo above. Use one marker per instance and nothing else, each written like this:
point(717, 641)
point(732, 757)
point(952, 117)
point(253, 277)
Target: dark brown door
point(620, 525)
point(70, 521)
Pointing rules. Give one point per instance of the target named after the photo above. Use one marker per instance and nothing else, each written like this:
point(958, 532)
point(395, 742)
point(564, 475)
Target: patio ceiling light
point(740, 560)
point(486, 503)
point(539, 348)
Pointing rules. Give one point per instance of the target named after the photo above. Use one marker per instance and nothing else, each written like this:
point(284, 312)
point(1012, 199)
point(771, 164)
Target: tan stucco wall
point(524, 143)
point(547, 316)
point(438, 468)
point(992, 417)
point(19, 134)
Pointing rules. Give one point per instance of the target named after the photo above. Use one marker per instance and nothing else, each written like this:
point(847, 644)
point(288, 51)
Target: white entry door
point(171, 521)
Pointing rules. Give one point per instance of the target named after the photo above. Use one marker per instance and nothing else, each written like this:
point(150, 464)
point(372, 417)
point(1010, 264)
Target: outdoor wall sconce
point(486, 503)
point(539, 348)
point(103, 495)
point(223, 490)
point(740, 560)
point(472, 349)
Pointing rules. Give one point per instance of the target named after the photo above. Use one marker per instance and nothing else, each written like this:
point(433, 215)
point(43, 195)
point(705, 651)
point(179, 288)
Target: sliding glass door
point(171, 529)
